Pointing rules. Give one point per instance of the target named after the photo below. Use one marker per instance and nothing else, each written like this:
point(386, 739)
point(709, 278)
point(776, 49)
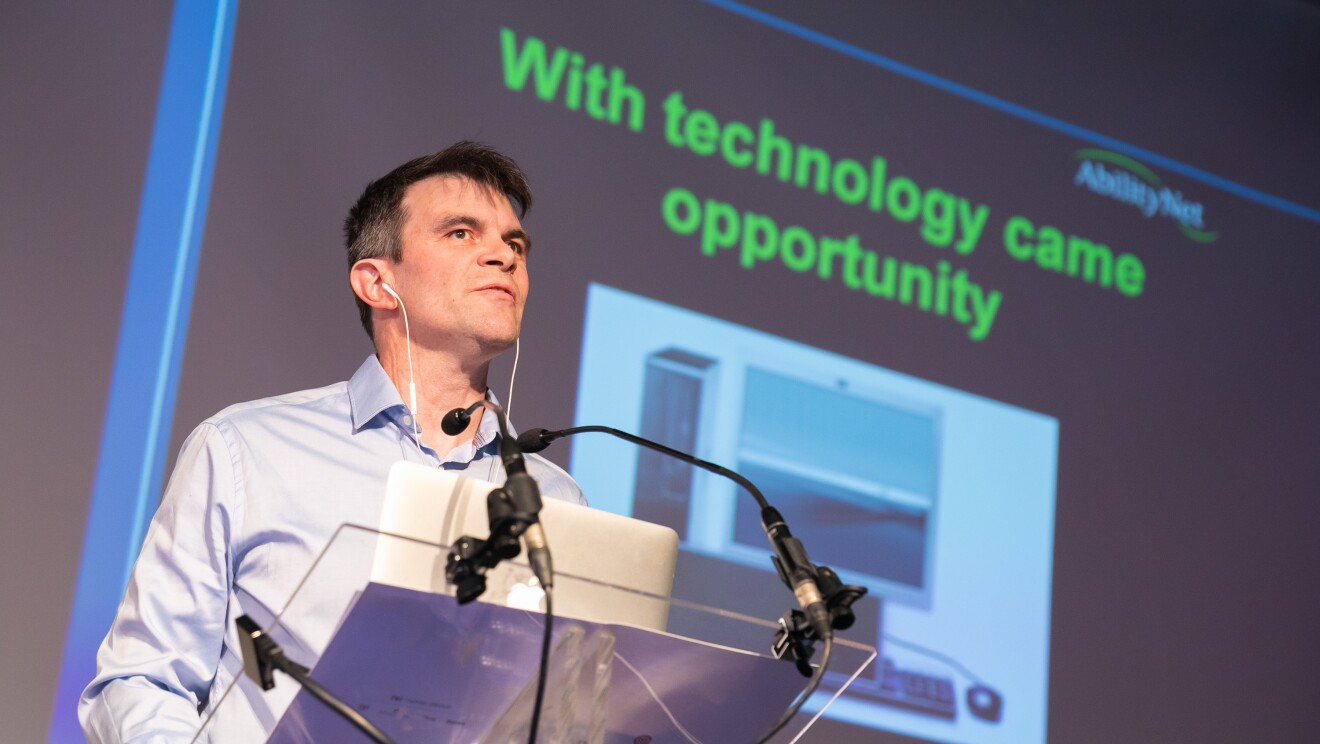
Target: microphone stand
point(826, 601)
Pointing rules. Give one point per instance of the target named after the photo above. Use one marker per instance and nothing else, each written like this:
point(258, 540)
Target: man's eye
point(460, 234)
point(517, 247)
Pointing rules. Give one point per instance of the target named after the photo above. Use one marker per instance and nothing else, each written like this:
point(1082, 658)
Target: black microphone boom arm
point(824, 611)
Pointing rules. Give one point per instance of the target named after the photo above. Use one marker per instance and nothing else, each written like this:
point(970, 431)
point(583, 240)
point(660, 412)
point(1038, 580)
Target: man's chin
point(484, 342)
point(496, 344)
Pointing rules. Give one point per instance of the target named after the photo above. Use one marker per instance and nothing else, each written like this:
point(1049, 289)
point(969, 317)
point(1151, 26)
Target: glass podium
point(376, 622)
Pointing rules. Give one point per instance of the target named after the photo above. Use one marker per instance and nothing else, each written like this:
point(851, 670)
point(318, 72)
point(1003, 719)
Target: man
point(438, 265)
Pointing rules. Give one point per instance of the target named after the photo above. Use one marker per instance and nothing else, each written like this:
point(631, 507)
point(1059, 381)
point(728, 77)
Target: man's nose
point(499, 253)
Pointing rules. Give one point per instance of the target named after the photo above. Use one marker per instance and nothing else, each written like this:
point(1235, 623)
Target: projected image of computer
point(897, 483)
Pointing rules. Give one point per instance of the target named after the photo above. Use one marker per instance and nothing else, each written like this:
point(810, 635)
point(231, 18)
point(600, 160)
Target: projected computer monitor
point(854, 472)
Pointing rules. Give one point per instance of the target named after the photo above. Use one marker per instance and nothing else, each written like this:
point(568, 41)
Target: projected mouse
point(985, 703)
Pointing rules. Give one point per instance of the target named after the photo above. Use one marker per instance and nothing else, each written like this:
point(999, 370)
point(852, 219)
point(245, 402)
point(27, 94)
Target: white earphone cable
point(412, 382)
point(508, 402)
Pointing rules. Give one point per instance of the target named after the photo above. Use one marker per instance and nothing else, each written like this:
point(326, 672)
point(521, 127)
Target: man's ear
point(368, 280)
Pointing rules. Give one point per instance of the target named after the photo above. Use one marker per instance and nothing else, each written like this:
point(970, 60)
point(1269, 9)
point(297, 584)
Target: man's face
point(463, 273)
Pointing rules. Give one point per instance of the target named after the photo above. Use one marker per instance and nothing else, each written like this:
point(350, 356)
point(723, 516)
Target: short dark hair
point(375, 223)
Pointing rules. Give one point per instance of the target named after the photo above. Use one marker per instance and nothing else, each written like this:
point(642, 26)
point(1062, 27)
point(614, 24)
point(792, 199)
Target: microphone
point(535, 440)
point(457, 420)
point(790, 557)
point(796, 571)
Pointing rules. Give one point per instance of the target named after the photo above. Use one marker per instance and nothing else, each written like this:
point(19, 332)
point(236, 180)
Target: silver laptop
point(438, 506)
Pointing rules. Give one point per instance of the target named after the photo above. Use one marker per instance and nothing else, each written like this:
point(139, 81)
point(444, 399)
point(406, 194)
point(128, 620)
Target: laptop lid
point(440, 506)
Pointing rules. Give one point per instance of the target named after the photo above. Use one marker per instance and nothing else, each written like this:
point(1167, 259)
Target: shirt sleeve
point(156, 665)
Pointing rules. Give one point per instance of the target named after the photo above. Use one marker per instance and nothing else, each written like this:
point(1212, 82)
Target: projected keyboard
point(915, 691)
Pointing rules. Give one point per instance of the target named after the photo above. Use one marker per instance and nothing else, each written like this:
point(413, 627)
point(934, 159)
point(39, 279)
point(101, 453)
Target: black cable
point(301, 674)
point(262, 655)
point(810, 690)
point(545, 665)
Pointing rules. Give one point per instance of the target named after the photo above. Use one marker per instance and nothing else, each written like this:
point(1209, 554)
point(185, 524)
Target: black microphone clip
point(796, 571)
point(470, 557)
point(512, 511)
point(826, 601)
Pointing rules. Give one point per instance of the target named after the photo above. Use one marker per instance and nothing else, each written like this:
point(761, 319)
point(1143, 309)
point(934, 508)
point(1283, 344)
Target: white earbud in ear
point(393, 294)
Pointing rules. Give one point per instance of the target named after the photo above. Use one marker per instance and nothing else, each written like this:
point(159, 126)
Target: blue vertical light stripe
point(157, 301)
point(1013, 109)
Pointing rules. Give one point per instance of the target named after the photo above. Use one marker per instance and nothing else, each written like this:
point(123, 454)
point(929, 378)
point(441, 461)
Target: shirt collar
point(489, 429)
point(371, 392)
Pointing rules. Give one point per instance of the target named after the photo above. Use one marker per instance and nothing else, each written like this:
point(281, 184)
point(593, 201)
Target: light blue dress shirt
point(256, 494)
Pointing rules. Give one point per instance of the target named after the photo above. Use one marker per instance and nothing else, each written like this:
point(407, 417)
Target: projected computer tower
point(676, 384)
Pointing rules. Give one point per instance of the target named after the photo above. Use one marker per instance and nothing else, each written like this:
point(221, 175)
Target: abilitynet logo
point(1123, 179)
